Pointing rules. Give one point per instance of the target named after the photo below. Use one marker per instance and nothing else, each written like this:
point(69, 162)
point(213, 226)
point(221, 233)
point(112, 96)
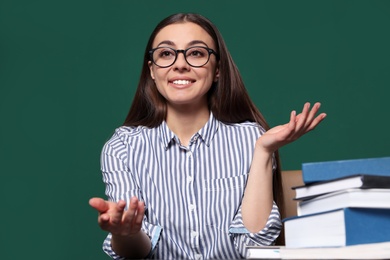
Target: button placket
point(191, 199)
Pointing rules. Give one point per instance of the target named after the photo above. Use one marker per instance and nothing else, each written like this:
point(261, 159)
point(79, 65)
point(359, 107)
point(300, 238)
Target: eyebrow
point(189, 44)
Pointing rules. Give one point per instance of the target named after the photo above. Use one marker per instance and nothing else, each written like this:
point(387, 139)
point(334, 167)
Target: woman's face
point(182, 84)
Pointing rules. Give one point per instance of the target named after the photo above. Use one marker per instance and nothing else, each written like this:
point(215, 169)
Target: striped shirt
point(192, 194)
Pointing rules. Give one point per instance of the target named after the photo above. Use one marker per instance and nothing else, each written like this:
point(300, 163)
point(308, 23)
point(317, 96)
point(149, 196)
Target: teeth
point(181, 82)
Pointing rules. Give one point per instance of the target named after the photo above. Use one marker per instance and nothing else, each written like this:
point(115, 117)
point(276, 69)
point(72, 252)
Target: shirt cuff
point(266, 236)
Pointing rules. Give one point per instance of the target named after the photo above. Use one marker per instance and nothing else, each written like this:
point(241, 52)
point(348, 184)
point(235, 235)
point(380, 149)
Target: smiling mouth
point(182, 82)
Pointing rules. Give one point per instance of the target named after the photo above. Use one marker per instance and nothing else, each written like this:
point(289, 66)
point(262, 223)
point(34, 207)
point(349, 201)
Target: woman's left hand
point(299, 125)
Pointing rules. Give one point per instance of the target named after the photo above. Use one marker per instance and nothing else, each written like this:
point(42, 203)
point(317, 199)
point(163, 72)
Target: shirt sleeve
point(121, 185)
point(265, 237)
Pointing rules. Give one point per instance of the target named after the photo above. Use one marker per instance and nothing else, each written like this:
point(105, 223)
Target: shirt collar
point(209, 130)
point(206, 133)
point(166, 135)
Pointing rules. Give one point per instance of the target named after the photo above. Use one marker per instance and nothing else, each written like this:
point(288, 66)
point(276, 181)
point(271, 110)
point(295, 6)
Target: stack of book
point(343, 212)
point(342, 203)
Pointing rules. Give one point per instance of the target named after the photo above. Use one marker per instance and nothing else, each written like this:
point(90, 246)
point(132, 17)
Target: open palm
point(115, 219)
point(298, 125)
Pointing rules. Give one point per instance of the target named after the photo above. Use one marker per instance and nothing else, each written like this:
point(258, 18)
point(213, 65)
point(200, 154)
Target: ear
point(216, 76)
point(151, 69)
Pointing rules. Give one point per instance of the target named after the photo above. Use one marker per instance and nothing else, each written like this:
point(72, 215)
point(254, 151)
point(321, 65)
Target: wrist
point(136, 245)
point(126, 236)
point(263, 154)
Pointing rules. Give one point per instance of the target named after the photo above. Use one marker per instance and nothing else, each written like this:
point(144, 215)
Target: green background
point(68, 71)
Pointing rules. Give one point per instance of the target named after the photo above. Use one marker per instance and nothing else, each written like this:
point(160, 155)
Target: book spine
point(325, 171)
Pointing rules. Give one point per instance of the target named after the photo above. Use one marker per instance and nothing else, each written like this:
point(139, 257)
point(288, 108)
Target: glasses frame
point(209, 51)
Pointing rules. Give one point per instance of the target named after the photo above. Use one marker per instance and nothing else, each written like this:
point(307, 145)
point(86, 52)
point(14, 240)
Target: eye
point(166, 53)
point(197, 53)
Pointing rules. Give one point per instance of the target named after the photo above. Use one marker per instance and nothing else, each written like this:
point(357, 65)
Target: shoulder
point(246, 126)
point(126, 132)
point(126, 135)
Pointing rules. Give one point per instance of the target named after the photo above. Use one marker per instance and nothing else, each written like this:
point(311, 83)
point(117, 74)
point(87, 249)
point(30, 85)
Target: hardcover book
point(365, 251)
point(263, 252)
point(362, 181)
point(342, 227)
point(350, 198)
point(328, 170)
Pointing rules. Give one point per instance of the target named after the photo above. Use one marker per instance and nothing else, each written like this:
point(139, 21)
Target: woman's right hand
point(115, 219)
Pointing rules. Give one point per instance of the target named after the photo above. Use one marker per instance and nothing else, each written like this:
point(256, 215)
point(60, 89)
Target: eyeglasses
point(196, 56)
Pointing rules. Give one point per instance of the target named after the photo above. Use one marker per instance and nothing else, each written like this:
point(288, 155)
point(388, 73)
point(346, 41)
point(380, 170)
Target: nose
point(181, 62)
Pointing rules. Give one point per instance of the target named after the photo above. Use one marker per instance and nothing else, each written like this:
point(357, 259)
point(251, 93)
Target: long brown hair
point(228, 99)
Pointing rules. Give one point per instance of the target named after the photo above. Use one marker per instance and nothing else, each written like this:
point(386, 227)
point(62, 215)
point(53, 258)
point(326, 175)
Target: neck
point(186, 121)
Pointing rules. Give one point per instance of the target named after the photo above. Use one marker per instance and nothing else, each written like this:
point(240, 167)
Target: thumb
point(99, 204)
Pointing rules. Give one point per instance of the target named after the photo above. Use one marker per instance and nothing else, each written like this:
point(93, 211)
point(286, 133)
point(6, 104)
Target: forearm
point(258, 198)
point(136, 246)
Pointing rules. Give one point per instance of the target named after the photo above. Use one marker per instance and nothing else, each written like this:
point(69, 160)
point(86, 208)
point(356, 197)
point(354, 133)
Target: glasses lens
point(197, 56)
point(164, 57)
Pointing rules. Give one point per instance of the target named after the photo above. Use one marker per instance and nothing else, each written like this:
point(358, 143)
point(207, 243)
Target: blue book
point(341, 227)
point(329, 170)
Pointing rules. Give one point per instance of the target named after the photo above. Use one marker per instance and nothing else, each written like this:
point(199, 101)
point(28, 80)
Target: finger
point(312, 114)
point(290, 130)
point(102, 207)
point(136, 221)
point(117, 214)
point(140, 212)
point(293, 117)
point(103, 220)
point(129, 215)
point(303, 116)
point(133, 204)
point(99, 204)
point(316, 121)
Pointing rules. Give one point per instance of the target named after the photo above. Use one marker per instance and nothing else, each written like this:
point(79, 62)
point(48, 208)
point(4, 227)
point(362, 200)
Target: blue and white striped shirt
point(192, 194)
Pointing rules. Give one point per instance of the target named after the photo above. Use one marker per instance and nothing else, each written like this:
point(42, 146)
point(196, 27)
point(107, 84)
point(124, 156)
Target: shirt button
point(192, 206)
point(198, 256)
point(194, 234)
point(190, 179)
point(189, 154)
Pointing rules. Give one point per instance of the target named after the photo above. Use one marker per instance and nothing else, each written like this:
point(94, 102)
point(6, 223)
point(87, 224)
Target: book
point(341, 227)
point(263, 252)
point(358, 198)
point(328, 170)
point(364, 251)
point(362, 181)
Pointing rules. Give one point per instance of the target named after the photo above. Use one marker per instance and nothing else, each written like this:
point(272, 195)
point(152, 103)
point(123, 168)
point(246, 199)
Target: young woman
point(194, 171)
